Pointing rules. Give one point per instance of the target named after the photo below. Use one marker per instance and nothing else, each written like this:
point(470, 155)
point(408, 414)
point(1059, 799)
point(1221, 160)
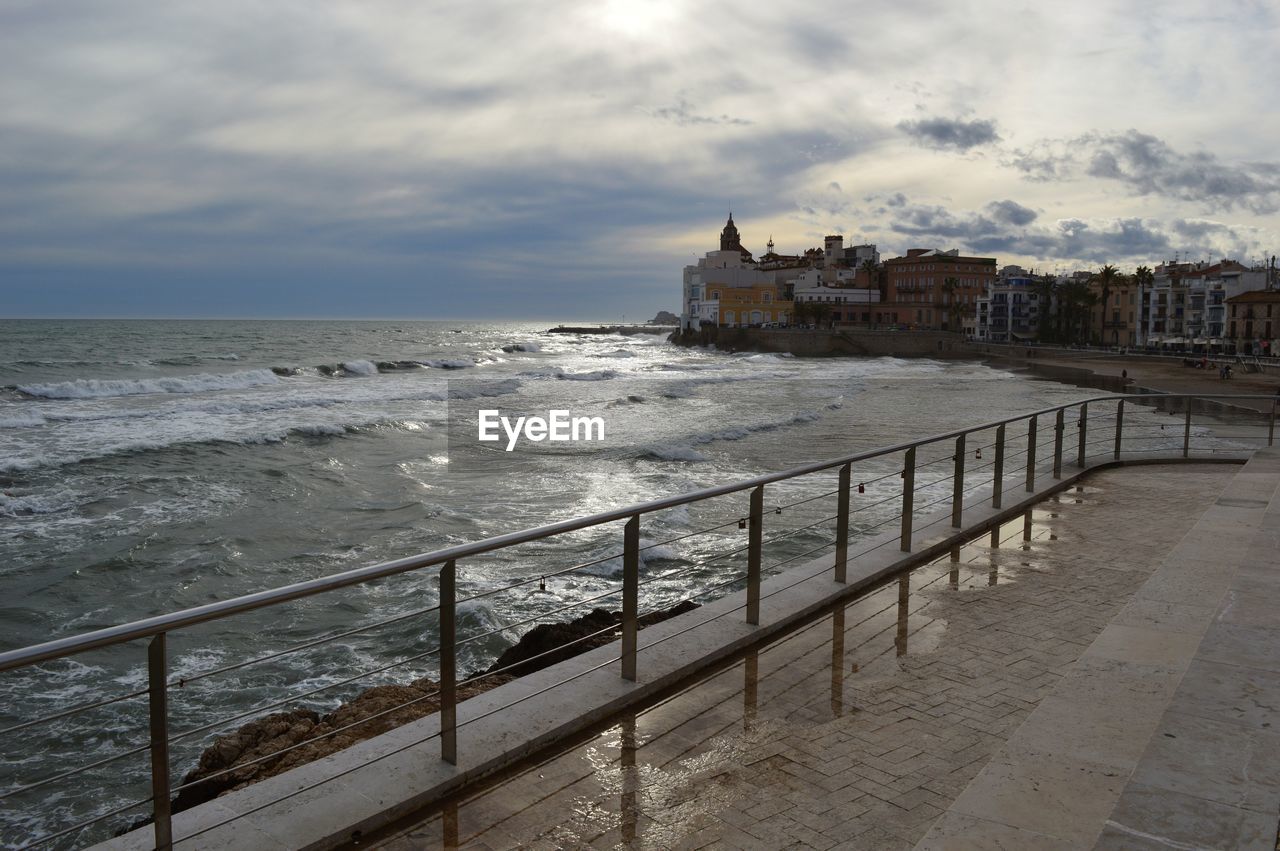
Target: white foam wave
point(522, 347)
point(360, 367)
point(597, 375)
point(23, 420)
point(94, 388)
point(16, 504)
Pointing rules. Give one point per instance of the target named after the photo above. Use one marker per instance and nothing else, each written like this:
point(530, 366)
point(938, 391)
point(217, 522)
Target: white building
point(730, 266)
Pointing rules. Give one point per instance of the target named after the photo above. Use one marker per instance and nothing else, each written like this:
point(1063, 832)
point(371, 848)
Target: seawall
point(829, 343)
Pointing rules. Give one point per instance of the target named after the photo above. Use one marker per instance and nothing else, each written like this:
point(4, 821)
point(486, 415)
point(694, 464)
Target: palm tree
point(819, 312)
point(955, 311)
point(1047, 313)
point(1144, 278)
point(800, 312)
point(1105, 279)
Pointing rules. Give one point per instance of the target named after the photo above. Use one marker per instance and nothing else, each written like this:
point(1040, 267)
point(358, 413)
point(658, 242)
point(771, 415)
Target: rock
point(665, 317)
point(553, 639)
point(257, 738)
point(313, 736)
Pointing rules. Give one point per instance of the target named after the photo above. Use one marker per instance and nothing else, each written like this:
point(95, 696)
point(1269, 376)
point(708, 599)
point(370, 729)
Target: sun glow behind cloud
point(637, 20)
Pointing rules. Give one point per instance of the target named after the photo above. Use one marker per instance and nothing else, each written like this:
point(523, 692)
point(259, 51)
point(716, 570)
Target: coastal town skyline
point(374, 160)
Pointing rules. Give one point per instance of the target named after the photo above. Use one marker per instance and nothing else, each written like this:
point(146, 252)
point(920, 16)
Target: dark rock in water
point(549, 643)
point(285, 371)
point(665, 317)
point(325, 369)
point(312, 735)
point(394, 365)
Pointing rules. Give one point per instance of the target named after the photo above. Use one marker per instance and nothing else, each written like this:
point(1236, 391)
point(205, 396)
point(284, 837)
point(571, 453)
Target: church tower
point(729, 239)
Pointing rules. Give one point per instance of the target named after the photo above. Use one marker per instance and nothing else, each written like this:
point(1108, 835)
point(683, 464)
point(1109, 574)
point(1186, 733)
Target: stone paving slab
point(864, 729)
point(1161, 735)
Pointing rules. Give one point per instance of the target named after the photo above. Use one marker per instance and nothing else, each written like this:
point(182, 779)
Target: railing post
point(755, 537)
point(908, 496)
point(1186, 432)
point(630, 595)
point(997, 484)
point(1031, 455)
point(1084, 428)
point(449, 663)
point(158, 697)
point(842, 525)
point(957, 484)
point(1059, 427)
point(1119, 426)
point(1271, 428)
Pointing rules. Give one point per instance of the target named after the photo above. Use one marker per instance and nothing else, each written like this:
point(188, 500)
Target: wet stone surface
point(860, 729)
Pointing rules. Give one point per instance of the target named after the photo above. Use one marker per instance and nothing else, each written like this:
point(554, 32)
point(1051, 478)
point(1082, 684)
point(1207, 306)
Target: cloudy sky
point(565, 159)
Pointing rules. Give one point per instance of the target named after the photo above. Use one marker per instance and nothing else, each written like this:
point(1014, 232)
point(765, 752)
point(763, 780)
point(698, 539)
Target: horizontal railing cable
point(299, 696)
point(180, 682)
point(73, 772)
point(49, 837)
point(75, 710)
point(540, 616)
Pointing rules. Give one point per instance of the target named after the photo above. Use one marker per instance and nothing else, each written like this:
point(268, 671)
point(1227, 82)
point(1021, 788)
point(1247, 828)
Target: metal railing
point(1108, 428)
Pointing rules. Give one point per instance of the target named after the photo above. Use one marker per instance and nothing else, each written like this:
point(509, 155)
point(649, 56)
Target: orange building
point(743, 306)
point(934, 290)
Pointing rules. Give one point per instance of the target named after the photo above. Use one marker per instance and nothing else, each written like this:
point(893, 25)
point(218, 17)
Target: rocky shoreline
point(300, 734)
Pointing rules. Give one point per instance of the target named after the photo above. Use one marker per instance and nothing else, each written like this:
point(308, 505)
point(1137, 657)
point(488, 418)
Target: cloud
point(1005, 228)
point(684, 115)
point(1147, 165)
point(1012, 212)
point(944, 133)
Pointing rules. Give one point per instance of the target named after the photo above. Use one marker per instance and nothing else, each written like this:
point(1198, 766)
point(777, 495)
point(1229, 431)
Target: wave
point(597, 375)
point(95, 388)
point(662, 452)
point(22, 421)
point(511, 348)
point(448, 363)
point(191, 360)
point(25, 505)
point(739, 432)
point(632, 399)
point(617, 353)
point(360, 367)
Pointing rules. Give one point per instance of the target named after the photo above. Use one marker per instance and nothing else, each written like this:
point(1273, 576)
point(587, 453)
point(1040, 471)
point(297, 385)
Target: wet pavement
point(860, 729)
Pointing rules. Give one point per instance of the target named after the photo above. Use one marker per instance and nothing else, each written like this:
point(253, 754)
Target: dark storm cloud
point(1147, 165)
point(944, 133)
point(1006, 227)
point(1011, 212)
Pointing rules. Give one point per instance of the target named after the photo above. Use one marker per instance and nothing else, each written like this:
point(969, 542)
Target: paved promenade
point(926, 712)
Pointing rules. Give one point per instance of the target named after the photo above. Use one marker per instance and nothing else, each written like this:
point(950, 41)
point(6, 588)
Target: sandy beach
point(1156, 374)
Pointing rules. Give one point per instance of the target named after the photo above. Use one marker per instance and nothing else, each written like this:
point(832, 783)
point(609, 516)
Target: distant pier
point(626, 330)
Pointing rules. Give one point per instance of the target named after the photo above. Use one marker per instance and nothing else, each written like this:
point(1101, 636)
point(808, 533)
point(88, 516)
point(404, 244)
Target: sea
point(153, 465)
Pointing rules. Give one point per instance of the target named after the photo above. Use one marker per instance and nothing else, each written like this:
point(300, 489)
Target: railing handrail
point(159, 624)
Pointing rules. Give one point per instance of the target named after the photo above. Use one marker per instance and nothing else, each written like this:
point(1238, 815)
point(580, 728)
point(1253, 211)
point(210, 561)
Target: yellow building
point(745, 306)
